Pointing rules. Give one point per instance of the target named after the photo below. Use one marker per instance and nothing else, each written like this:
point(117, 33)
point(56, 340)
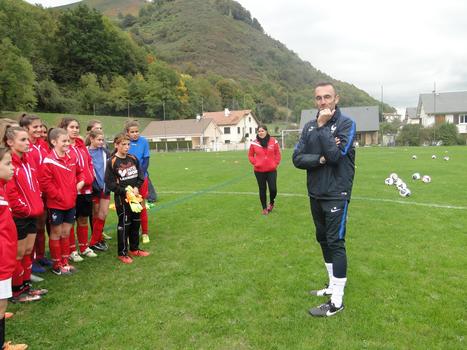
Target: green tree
point(410, 135)
point(117, 97)
point(90, 93)
point(49, 96)
point(17, 79)
point(448, 134)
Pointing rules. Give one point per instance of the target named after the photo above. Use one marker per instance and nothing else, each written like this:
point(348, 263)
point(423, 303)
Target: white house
point(237, 126)
point(437, 108)
point(411, 116)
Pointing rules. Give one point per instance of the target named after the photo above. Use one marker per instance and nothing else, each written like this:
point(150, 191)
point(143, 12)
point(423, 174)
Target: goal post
point(290, 137)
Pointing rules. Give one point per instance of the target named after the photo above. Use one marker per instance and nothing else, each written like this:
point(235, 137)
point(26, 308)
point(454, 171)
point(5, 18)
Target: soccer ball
point(393, 176)
point(446, 158)
point(398, 182)
point(389, 181)
point(414, 157)
point(402, 186)
point(433, 156)
point(426, 179)
point(404, 192)
point(416, 176)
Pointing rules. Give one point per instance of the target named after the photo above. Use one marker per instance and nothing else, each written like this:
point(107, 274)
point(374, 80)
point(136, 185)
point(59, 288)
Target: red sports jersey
point(8, 237)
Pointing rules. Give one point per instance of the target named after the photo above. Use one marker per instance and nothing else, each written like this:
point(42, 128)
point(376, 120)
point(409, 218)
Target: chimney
point(226, 112)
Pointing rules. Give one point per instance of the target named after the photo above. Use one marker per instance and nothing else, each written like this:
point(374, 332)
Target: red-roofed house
point(236, 126)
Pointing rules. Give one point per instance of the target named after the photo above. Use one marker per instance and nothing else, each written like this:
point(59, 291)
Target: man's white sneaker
point(76, 257)
point(326, 291)
point(326, 310)
point(88, 252)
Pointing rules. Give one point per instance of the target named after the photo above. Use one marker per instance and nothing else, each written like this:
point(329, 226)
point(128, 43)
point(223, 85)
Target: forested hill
point(176, 56)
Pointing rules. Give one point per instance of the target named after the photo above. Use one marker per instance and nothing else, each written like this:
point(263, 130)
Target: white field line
point(430, 205)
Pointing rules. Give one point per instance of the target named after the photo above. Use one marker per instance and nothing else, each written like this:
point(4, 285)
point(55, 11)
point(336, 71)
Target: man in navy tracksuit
point(327, 153)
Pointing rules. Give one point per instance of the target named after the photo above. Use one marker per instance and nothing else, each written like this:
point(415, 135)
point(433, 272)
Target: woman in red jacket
point(24, 197)
point(38, 150)
point(265, 156)
point(84, 199)
point(8, 245)
point(60, 178)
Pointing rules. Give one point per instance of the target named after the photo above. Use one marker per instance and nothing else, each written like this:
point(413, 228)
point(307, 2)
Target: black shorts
point(58, 216)
point(25, 226)
point(83, 205)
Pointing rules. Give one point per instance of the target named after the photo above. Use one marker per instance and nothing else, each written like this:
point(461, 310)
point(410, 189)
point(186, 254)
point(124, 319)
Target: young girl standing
point(60, 179)
point(8, 246)
point(123, 170)
point(101, 196)
point(84, 198)
point(25, 200)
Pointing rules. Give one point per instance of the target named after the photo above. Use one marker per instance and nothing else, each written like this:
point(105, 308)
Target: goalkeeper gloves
point(133, 200)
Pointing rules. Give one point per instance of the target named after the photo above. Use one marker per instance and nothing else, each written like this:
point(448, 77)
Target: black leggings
point(128, 226)
point(270, 178)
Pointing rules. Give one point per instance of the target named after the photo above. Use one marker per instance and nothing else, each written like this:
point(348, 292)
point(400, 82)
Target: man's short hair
point(326, 83)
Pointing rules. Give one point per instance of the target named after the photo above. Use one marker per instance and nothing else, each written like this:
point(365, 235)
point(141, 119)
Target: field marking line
point(430, 205)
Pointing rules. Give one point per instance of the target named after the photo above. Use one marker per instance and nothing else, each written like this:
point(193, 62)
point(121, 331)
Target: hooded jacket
point(23, 191)
point(85, 162)
point(8, 237)
point(334, 178)
point(265, 159)
point(37, 152)
point(58, 179)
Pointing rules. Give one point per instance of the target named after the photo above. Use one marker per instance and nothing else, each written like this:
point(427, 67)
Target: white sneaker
point(35, 278)
point(326, 291)
point(88, 252)
point(76, 257)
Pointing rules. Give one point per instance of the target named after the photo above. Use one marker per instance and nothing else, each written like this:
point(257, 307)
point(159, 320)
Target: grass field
point(221, 276)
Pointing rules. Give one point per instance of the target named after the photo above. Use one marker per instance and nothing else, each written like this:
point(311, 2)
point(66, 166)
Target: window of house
point(238, 130)
point(463, 119)
point(227, 130)
point(227, 141)
point(250, 130)
point(249, 119)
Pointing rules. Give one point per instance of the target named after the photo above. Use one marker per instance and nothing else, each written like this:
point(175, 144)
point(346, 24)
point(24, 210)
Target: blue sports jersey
point(140, 149)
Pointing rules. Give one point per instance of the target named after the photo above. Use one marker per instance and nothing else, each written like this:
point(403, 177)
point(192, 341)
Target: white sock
point(329, 268)
point(338, 285)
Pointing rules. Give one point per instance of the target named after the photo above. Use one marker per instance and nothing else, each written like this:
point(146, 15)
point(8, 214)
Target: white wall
point(244, 126)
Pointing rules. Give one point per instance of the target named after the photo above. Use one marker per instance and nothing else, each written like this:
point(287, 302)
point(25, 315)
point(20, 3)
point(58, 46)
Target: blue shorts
point(58, 217)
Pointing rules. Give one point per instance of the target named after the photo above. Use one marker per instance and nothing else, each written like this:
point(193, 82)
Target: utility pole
point(434, 112)
point(382, 103)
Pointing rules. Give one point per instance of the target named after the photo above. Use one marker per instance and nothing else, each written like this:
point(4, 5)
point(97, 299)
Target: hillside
point(111, 8)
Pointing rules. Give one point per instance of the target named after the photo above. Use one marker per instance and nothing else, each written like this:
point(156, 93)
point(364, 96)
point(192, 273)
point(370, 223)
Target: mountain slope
point(111, 8)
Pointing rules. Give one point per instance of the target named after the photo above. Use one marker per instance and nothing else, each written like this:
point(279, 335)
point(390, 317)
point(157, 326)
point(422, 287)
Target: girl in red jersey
point(60, 179)
point(101, 196)
point(8, 246)
point(25, 200)
point(38, 150)
point(84, 199)
point(265, 156)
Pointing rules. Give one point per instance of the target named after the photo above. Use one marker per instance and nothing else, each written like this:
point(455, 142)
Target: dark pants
point(128, 226)
point(269, 178)
point(330, 218)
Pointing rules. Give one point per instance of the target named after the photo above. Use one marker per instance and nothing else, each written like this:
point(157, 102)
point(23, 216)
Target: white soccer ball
point(416, 176)
point(398, 182)
point(389, 181)
point(404, 192)
point(402, 186)
point(433, 156)
point(446, 158)
point(414, 157)
point(426, 179)
point(394, 176)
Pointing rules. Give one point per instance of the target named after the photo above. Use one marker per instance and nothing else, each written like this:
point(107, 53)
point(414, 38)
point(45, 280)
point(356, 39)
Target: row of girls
point(58, 182)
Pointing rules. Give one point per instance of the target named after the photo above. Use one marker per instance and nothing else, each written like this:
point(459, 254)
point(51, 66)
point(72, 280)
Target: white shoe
point(36, 279)
point(88, 252)
point(76, 257)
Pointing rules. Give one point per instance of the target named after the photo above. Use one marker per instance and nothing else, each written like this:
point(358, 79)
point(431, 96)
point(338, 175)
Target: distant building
point(200, 133)
point(411, 116)
point(391, 117)
point(237, 126)
point(366, 118)
point(440, 107)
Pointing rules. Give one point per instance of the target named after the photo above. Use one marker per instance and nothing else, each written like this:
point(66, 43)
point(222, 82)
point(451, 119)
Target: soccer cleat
point(9, 346)
point(36, 268)
point(71, 269)
point(106, 237)
point(265, 212)
point(326, 310)
point(145, 238)
point(44, 262)
point(138, 252)
point(88, 252)
point(25, 298)
point(36, 279)
point(76, 257)
point(270, 207)
point(326, 291)
point(8, 315)
point(125, 259)
point(103, 245)
point(37, 291)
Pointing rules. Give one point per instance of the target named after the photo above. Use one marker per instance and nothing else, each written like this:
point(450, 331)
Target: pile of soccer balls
point(400, 185)
point(425, 178)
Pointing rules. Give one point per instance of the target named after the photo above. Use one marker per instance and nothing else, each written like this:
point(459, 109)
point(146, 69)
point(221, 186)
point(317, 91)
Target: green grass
point(221, 276)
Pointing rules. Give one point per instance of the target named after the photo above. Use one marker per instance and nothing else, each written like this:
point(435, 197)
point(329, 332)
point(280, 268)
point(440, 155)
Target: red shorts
point(144, 189)
point(96, 197)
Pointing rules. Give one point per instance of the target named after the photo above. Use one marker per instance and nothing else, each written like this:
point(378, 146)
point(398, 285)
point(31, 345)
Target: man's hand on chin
point(324, 116)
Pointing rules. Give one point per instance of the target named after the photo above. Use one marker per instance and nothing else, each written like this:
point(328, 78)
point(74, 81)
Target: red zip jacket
point(265, 159)
point(8, 237)
point(58, 179)
point(85, 162)
point(37, 152)
point(23, 192)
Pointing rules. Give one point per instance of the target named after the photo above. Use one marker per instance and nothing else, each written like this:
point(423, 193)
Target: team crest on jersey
point(311, 128)
point(333, 128)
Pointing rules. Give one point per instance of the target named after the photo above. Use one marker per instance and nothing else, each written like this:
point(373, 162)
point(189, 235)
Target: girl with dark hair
point(265, 156)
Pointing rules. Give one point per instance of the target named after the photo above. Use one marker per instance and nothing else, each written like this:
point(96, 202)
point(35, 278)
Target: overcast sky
point(403, 45)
